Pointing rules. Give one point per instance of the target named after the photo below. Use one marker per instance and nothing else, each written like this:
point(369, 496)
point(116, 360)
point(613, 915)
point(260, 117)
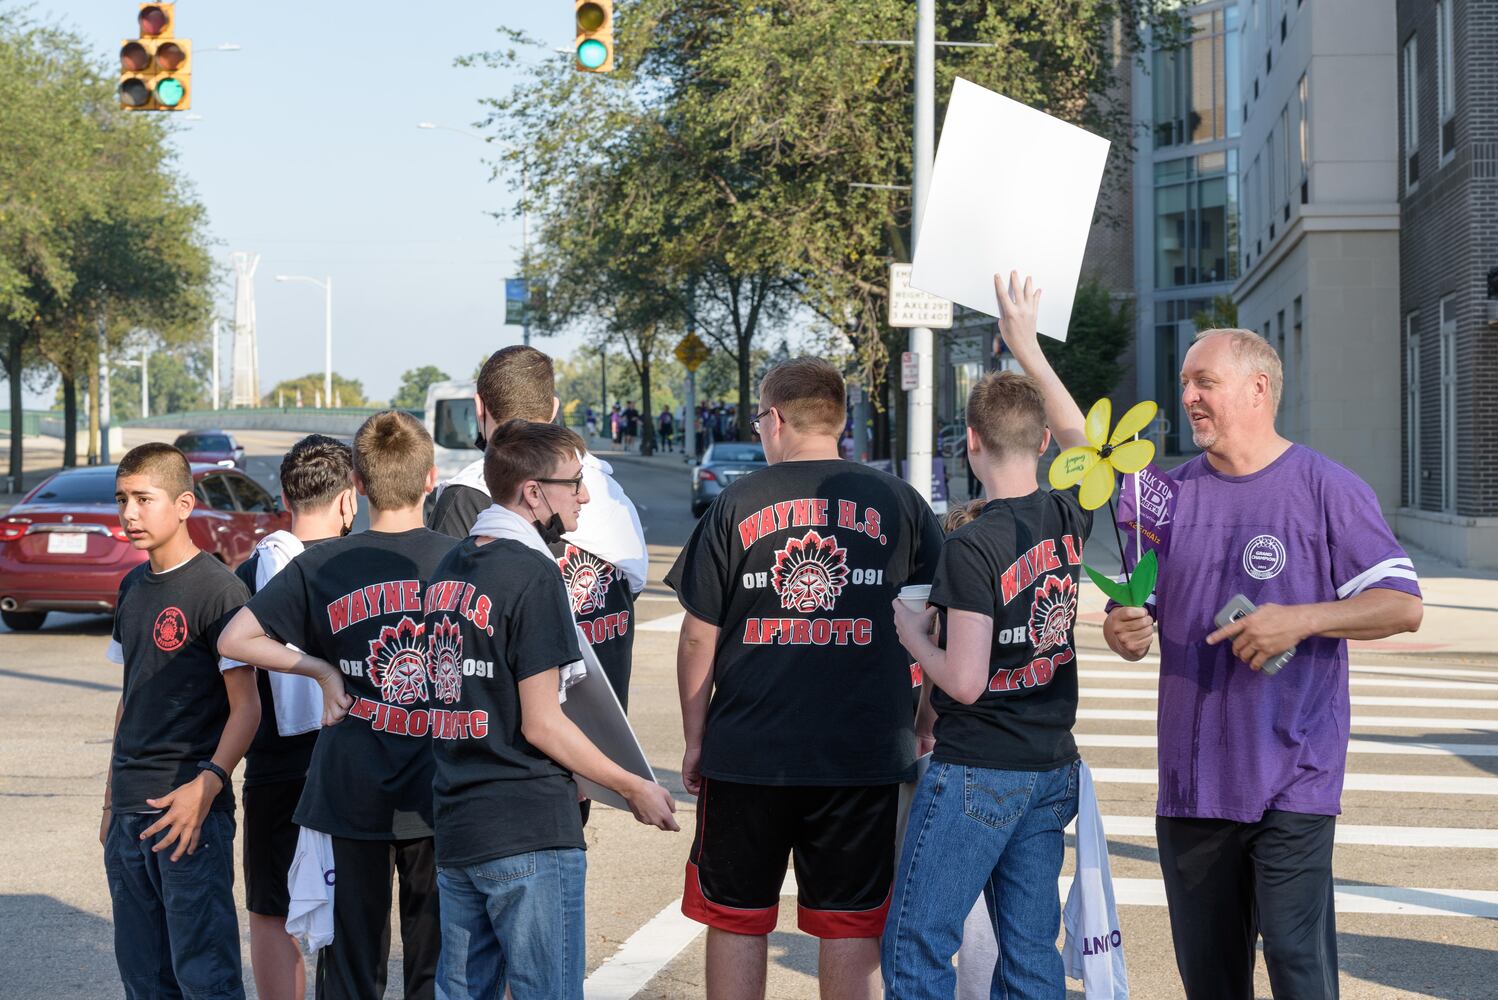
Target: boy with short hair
point(795, 695)
point(509, 835)
point(356, 602)
point(988, 815)
point(185, 718)
point(317, 486)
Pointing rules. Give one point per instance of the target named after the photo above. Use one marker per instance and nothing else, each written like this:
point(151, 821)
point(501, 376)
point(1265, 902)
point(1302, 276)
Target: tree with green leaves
point(1100, 330)
point(1222, 314)
point(732, 136)
point(412, 394)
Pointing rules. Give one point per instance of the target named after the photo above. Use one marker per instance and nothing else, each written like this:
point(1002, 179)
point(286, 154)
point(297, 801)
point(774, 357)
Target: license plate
point(67, 542)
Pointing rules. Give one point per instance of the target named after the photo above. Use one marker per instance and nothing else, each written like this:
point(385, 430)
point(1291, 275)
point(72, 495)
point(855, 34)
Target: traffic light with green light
point(594, 48)
point(156, 68)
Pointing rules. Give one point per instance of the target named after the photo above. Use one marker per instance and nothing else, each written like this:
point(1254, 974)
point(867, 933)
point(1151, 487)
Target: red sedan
point(62, 547)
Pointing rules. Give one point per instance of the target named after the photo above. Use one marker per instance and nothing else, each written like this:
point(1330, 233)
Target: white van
point(453, 422)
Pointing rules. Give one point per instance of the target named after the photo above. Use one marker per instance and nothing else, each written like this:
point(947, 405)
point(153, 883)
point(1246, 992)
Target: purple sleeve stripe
point(1390, 569)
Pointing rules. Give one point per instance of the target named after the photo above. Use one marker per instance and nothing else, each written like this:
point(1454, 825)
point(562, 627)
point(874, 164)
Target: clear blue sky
point(308, 153)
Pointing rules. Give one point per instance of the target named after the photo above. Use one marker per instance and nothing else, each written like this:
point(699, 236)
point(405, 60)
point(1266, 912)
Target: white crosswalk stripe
point(1420, 784)
point(1359, 722)
point(1357, 668)
point(1372, 701)
point(1443, 837)
point(1424, 684)
point(1407, 749)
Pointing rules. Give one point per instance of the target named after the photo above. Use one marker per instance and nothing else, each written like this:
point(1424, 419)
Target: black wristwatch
point(208, 765)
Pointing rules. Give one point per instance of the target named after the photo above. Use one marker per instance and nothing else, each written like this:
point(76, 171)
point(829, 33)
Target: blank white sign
point(1013, 190)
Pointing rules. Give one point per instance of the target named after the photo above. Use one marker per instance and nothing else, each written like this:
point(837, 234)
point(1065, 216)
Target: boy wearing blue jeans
point(184, 720)
point(989, 813)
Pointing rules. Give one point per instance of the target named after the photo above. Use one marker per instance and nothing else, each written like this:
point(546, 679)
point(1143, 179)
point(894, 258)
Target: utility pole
point(327, 376)
point(145, 392)
point(103, 393)
point(525, 251)
point(603, 377)
point(920, 408)
point(689, 412)
point(214, 335)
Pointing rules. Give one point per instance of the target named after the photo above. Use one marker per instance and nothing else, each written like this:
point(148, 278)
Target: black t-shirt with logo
point(176, 705)
point(797, 565)
point(496, 614)
point(603, 605)
point(356, 602)
point(272, 757)
point(1019, 562)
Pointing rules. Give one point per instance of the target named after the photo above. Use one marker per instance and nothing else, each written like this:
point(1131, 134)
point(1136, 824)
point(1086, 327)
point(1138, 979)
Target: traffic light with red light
point(156, 68)
point(594, 48)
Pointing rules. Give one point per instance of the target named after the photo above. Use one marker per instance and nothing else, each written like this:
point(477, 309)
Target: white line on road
point(1386, 899)
point(1446, 837)
point(1405, 684)
point(1491, 675)
point(669, 623)
point(1424, 784)
point(648, 950)
point(1136, 742)
point(1375, 701)
point(1358, 721)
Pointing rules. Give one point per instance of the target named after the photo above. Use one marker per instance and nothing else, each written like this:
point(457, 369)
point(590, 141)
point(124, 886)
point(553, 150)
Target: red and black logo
point(1052, 613)
point(170, 630)
point(397, 662)
point(587, 577)
point(810, 573)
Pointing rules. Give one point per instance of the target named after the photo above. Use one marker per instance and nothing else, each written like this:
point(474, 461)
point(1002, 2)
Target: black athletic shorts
point(841, 839)
point(269, 844)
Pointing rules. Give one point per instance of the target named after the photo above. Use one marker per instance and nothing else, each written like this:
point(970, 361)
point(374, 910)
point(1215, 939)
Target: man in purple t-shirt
point(1251, 764)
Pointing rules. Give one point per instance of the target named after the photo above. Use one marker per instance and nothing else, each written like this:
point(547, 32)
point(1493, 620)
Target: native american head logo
point(587, 578)
point(810, 573)
point(445, 661)
point(398, 662)
point(1052, 614)
point(170, 630)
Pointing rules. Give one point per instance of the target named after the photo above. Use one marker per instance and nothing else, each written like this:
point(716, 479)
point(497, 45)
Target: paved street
point(1417, 860)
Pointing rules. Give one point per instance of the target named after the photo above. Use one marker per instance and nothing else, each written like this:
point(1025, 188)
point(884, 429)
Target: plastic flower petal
point(1097, 486)
point(1071, 465)
point(1096, 427)
point(1135, 420)
point(1131, 456)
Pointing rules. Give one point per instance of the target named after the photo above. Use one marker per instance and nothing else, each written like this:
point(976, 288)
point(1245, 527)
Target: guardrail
point(329, 420)
point(33, 422)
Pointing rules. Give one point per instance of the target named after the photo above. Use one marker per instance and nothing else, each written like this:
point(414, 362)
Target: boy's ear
point(431, 483)
point(359, 485)
point(186, 505)
point(478, 410)
point(556, 404)
point(1045, 440)
point(974, 442)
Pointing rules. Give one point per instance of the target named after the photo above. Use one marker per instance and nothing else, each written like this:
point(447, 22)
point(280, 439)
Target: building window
point(1196, 83)
point(1284, 165)
point(1448, 404)
point(1196, 220)
point(1303, 111)
point(1412, 408)
point(1445, 78)
point(1297, 351)
point(1411, 117)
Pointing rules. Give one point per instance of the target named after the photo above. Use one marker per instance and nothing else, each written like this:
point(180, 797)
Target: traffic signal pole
point(921, 398)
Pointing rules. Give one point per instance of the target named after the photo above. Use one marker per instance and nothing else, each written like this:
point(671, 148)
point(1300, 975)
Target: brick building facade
point(1448, 185)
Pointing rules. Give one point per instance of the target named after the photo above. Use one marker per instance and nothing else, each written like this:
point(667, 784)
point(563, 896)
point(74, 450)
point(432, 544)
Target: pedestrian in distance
point(631, 426)
point(510, 847)
point(592, 424)
point(796, 696)
point(1245, 820)
point(352, 609)
point(184, 719)
point(602, 557)
point(616, 425)
point(666, 427)
point(988, 816)
point(317, 487)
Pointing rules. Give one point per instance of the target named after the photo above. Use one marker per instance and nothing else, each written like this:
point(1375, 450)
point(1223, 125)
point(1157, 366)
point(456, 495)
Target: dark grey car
point(722, 464)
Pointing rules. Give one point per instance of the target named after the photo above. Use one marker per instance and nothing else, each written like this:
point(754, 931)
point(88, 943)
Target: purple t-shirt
point(1234, 742)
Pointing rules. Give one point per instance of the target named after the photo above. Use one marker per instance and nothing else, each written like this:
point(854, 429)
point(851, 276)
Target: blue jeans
point(973, 831)
point(516, 922)
point(176, 931)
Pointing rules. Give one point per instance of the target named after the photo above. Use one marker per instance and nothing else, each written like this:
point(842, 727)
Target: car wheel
point(23, 621)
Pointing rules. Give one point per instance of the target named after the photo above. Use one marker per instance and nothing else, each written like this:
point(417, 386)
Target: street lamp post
point(327, 286)
point(918, 425)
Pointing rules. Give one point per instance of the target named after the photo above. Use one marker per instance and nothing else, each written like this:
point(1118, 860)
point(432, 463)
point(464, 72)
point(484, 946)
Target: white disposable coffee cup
point(915, 595)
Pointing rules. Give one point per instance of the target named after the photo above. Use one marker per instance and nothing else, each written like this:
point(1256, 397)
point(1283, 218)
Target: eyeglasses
point(575, 482)
point(754, 424)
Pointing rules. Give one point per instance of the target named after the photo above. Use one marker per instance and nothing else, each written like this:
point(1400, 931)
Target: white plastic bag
point(1094, 940)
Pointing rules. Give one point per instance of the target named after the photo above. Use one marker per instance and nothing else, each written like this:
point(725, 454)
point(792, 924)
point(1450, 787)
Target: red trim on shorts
point(843, 923)
point(695, 904)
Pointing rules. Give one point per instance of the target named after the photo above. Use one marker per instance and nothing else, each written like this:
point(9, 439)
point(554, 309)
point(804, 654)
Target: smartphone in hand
point(1237, 608)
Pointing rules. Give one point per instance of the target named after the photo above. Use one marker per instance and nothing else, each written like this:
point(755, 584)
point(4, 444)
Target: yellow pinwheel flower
point(1094, 464)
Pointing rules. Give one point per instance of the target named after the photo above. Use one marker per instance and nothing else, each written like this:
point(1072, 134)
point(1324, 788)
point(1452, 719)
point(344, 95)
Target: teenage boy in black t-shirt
point(509, 837)
point(185, 717)
point(603, 557)
point(795, 693)
point(988, 815)
point(317, 486)
point(356, 602)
